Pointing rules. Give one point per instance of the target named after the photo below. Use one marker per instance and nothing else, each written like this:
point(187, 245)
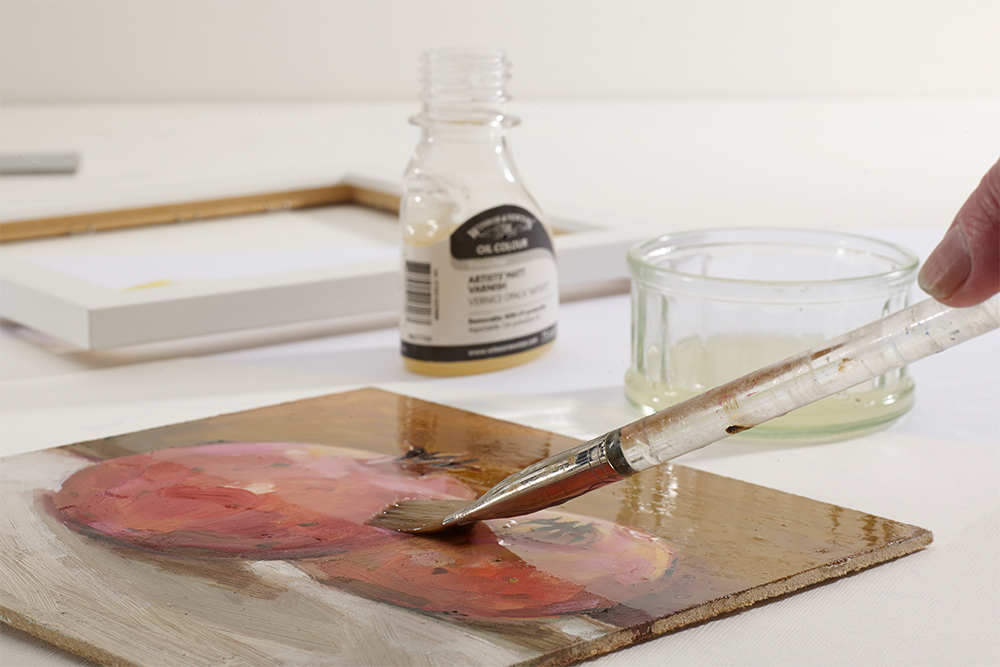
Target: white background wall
point(233, 50)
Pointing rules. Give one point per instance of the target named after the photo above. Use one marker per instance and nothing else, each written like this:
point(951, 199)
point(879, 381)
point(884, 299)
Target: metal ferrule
point(555, 480)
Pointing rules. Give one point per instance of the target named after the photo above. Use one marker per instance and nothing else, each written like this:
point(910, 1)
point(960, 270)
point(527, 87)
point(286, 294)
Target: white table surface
point(894, 169)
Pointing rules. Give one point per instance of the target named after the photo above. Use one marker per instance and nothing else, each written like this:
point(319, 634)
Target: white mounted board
point(165, 282)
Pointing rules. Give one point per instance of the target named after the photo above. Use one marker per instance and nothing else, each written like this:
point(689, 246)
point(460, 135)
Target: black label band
point(499, 348)
point(499, 231)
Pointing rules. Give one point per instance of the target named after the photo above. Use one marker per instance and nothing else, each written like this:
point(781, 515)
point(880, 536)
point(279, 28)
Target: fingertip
point(948, 267)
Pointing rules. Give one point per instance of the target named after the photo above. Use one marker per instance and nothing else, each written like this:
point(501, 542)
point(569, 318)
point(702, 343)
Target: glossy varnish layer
point(285, 571)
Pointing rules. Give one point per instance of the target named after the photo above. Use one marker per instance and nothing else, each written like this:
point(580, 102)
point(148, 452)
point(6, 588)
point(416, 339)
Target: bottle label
point(488, 290)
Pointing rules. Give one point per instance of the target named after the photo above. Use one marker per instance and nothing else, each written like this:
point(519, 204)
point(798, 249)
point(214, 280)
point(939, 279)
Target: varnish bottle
point(480, 290)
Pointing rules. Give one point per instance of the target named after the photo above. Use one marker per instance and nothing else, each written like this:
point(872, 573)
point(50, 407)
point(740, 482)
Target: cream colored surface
point(656, 165)
point(343, 49)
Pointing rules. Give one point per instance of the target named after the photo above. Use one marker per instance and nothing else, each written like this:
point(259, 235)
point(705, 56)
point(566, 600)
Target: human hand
point(964, 268)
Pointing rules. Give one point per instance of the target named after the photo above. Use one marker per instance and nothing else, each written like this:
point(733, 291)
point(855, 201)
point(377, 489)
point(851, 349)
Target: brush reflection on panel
point(308, 504)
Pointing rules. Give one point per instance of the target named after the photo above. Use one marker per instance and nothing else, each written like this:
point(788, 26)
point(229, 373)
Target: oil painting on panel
point(242, 539)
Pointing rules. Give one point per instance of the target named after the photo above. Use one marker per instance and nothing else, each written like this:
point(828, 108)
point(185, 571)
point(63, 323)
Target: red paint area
point(511, 569)
point(257, 501)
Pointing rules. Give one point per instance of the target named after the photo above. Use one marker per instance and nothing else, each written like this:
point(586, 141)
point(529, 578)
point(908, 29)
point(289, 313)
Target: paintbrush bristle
point(418, 516)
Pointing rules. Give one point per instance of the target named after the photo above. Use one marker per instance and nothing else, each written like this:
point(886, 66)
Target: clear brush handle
point(861, 355)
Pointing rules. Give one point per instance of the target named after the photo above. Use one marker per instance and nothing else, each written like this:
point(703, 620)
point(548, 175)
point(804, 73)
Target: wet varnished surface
point(722, 544)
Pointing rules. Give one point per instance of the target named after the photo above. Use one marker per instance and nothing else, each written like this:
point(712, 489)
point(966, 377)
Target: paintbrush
point(861, 355)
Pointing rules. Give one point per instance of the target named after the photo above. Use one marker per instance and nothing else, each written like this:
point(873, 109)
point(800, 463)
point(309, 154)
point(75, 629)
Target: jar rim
point(902, 264)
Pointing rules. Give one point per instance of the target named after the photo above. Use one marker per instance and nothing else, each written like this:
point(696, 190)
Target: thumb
point(964, 268)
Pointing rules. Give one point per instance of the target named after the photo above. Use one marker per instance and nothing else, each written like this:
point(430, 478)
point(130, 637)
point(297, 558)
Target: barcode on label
point(417, 292)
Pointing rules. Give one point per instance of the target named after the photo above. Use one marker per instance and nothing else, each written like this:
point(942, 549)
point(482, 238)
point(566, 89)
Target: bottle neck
point(464, 86)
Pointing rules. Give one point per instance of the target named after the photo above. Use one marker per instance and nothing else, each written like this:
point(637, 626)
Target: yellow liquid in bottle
point(425, 235)
point(480, 284)
point(453, 368)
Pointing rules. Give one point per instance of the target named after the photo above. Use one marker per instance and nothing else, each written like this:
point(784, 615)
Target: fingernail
point(948, 266)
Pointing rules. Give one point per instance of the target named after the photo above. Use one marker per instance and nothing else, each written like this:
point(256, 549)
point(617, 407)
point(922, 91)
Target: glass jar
point(480, 290)
point(710, 306)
